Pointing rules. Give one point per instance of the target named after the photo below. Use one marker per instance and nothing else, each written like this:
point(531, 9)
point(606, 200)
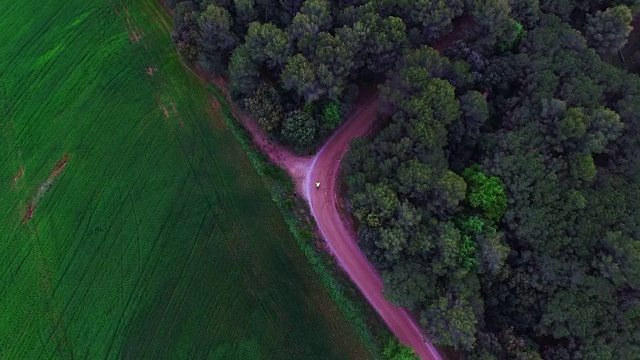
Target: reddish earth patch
point(17, 177)
point(42, 189)
point(151, 70)
point(216, 116)
point(215, 105)
point(135, 33)
point(175, 111)
point(166, 112)
point(29, 213)
point(59, 166)
point(134, 36)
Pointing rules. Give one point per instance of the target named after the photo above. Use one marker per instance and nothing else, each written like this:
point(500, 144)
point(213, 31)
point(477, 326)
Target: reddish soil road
point(341, 240)
point(324, 167)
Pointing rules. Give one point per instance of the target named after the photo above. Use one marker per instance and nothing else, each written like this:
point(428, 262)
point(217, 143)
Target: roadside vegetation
point(133, 225)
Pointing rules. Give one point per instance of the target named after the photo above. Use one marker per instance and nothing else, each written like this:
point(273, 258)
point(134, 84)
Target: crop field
point(132, 225)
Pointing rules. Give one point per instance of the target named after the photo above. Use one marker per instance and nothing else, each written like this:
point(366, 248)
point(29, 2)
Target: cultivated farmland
point(131, 223)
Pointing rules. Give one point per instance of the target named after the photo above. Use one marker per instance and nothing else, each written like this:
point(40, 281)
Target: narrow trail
point(324, 204)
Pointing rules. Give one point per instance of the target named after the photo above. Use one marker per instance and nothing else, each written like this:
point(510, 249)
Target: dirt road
point(324, 167)
point(341, 240)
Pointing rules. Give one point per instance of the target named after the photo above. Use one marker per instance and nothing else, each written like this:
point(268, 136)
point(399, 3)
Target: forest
point(500, 199)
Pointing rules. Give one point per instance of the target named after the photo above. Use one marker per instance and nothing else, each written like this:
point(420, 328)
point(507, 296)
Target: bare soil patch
point(44, 187)
point(165, 111)
point(16, 178)
point(175, 112)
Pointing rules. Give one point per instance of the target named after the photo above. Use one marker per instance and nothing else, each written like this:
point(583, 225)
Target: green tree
point(244, 75)
point(245, 13)
point(392, 240)
point(485, 193)
point(378, 203)
point(492, 251)
point(451, 322)
point(393, 350)
point(385, 40)
point(607, 31)
point(299, 75)
point(414, 178)
point(428, 20)
point(604, 127)
point(526, 12)
point(467, 252)
point(331, 117)
point(561, 8)
point(464, 134)
point(314, 16)
point(264, 105)
point(299, 129)
point(406, 284)
point(582, 168)
point(269, 44)
point(451, 188)
point(332, 52)
point(185, 31)
point(216, 40)
point(494, 21)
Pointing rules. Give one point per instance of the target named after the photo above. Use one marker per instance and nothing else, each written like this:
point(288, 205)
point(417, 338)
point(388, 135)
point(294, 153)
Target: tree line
point(500, 199)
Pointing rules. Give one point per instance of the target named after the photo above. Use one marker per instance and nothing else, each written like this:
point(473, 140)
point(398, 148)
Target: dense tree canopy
point(519, 252)
point(607, 30)
point(500, 199)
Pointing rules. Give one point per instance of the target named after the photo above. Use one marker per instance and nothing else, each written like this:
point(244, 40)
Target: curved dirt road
point(341, 239)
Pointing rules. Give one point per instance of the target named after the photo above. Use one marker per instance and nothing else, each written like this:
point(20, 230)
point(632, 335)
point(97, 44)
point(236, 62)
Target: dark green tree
point(299, 129)
point(244, 75)
point(428, 19)
point(245, 12)
point(269, 44)
point(216, 40)
point(264, 105)
point(314, 16)
point(607, 31)
point(527, 12)
point(451, 322)
point(494, 22)
point(299, 75)
point(185, 31)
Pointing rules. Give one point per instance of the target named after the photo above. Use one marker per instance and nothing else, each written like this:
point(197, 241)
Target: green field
point(156, 238)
